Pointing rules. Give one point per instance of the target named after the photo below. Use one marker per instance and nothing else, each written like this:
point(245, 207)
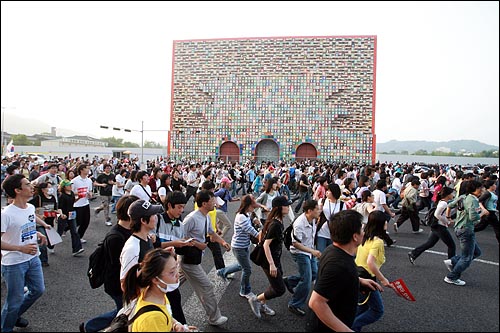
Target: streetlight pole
point(142, 164)
point(142, 145)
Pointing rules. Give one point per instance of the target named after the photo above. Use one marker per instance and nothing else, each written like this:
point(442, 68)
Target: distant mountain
point(455, 146)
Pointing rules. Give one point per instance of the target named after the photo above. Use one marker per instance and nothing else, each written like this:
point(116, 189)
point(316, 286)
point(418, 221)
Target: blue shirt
point(224, 194)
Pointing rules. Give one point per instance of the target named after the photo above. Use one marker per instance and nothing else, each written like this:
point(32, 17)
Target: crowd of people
point(340, 231)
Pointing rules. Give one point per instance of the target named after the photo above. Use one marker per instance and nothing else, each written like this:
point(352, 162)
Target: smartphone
point(188, 240)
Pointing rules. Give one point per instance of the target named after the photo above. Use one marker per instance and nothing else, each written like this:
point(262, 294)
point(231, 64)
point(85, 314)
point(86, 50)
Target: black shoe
point(287, 285)
point(21, 322)
point(82, 327)
point(297, 311)
point(410, 257)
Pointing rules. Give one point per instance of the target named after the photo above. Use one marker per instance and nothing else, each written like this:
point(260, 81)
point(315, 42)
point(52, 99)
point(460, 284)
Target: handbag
point(191, 255)
point(258, 255)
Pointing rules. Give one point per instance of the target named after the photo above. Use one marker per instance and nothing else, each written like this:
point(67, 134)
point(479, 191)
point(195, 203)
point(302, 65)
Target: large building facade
point(285, 98)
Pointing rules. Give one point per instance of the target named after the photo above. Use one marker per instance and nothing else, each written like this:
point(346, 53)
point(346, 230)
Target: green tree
point(421, 152)
point(113, 142)
point(129, 144)
point(152, 144)
point(21, 140)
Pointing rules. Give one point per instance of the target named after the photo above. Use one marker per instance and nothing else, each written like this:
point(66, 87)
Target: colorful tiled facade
point(291, 90)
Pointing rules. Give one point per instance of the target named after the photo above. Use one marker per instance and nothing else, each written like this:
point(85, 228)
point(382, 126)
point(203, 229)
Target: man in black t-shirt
point(105, 182)
point(334, 299)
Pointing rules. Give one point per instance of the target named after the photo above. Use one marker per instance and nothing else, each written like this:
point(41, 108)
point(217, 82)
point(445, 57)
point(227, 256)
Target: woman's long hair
point(247, 201)
point(443, 193)
point(275, 214)
point(141, 275)
point(375, 226)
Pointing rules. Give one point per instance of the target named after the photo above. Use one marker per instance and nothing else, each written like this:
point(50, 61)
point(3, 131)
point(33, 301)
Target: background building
point(274, 98)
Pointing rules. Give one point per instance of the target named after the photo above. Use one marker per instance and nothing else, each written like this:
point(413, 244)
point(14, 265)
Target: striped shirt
point(242, 230)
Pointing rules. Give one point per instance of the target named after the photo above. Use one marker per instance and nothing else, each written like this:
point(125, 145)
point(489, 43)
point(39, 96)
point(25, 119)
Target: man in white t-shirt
point(142, 190)
point(306, 257)
point(379, 199)
point(82, 187)
point(21, 265)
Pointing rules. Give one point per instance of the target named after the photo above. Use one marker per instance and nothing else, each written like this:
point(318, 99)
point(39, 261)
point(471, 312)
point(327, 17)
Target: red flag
point(402, 290)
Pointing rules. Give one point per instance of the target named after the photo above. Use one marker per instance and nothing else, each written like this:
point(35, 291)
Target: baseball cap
point(280, 201)
point(226, 180)
point(142, 208)
point(65, 182)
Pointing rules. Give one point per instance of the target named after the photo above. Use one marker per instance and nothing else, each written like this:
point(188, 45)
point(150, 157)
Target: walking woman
point(370, 257)
point(240, 243)
point(147, 282)
point(266, 198)
point(329, 206)
point(440, 229)
point(273, 245)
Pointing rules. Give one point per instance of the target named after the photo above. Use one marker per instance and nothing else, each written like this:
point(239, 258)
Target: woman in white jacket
point(440, 229)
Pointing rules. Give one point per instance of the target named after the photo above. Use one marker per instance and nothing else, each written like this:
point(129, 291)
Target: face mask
point(50, 191)
point(170, 286)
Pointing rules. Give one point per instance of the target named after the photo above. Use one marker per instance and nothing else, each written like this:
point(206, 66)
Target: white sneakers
point(456, 282)
point(448, 264)
point(247, 296)
point(222, 320)
point(77, 253)
point(418, 231)
point(255, 305)
point(267, 310)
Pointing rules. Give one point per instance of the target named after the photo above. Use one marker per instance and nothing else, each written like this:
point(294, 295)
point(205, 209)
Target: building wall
point(292, 90)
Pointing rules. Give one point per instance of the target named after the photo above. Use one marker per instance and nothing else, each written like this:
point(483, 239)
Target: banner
point(402, 290)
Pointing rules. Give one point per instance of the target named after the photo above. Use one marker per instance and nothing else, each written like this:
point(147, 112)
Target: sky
point(80, 65)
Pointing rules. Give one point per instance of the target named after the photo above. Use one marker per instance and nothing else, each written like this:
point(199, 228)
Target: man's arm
point(216, 238)
point(319, 305)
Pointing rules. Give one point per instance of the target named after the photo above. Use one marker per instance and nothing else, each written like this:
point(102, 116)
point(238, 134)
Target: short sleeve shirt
point(338, 282)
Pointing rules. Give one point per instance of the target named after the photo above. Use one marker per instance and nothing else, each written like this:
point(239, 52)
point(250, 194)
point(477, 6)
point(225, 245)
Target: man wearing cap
point(197, 225)
point(143, 220)
point(225, 195)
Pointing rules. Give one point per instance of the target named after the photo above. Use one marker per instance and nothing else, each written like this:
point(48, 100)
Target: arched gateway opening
point(267, 150)
point(306, 151)
point(229, 151)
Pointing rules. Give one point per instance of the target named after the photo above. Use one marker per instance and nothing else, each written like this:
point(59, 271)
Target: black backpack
point(96, 271)
point(430, 220)
point(121, 322)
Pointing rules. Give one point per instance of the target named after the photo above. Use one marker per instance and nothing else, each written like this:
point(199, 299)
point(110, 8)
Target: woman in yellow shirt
point(147, 282)
point(370, 257)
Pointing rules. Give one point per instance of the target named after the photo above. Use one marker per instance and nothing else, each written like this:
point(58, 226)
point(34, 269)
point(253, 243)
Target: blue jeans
point(76, 243)
point(101, 322)
point(29, 274)
point(322, 243)
point(304, 196)
point(369, 312)
point(43, 248)
point(470, 251)
point(115, 199)
point(308, 270)
point(243, 257)
point(286, 192)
